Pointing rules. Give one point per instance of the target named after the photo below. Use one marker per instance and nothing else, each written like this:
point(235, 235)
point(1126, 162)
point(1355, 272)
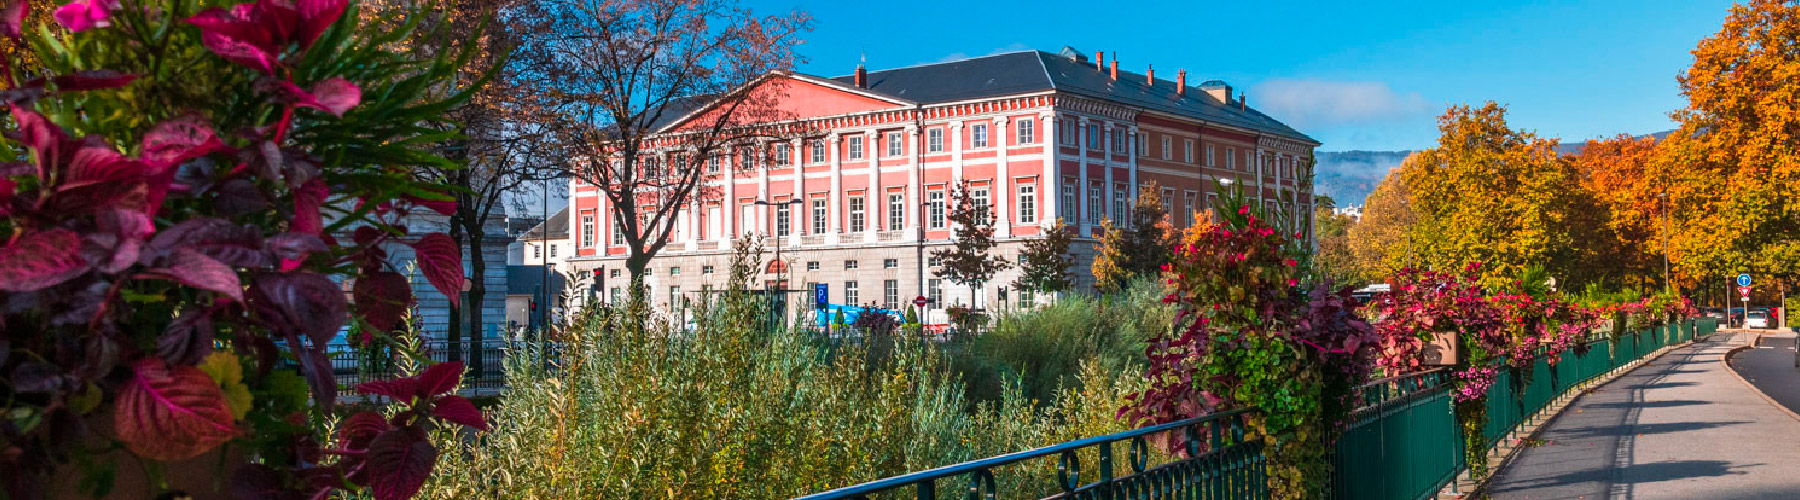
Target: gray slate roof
point(558, 226)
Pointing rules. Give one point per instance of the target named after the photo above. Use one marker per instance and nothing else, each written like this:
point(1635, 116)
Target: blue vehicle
point(824, 316)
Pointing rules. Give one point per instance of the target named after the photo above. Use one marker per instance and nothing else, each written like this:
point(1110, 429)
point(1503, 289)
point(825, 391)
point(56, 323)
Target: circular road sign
point(1744, 279)
point(919, 301)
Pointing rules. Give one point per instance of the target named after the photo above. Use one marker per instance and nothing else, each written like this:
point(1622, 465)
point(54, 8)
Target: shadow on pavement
point(1649, 404)
point(1646, 473)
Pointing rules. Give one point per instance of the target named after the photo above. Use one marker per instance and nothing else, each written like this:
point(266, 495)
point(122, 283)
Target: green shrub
point(1042, 349)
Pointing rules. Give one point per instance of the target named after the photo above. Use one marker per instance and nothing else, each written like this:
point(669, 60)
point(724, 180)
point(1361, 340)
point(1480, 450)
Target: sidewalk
point(1679, 427)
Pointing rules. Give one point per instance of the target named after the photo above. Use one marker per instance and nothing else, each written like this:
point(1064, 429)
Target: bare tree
point(654, 89)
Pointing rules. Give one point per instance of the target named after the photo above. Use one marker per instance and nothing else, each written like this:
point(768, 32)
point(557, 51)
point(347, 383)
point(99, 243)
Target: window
point(675, 271)
point(1096, 201)
point(784, 219)
point(712, 164)
point(1027, 203)
point(896, 211)
point(1118, 140)
point(537, 252)
point(978, 137)
point(936, 215)
point(982, 206)
point(784, 155)
point(553, 250)
point(1093, 136)
point(1027, 131)
point(1187, 216)
point(856, 214)
point(856, 152)
point(812, 265)
point(1027, 298)
point(614, 293)
point(706, 269)
point(895, 146)
point(818, 216)
point(934, 261)
point(613, 272)
point(746, 219)
point(1066, 132)
point(850, 297)
point(1069, 200)
point(1187, 150)
point(1121, 204)
point(890, 294)
point(1209, 156)
point(890, 263)
point(934, 292)
point(818, 151)
point(1230, 159)
point(1167, 145)
point(934, 140)
point(746, 159)
point(1143, 143)
point(588, 229)
point(674, 295)
point(851, 264)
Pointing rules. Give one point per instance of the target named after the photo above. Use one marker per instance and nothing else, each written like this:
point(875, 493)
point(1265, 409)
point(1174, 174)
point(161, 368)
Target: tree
point(1381, 243)
point(641, 77)
point(1731, 165)
point(1621, 241)
point(969, 260)
point(1046, 261)
point(1334, 258)
point(1137, 250)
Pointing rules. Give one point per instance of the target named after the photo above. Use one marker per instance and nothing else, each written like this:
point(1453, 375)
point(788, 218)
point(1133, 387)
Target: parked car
point(1715, 313)
point(1756, 319)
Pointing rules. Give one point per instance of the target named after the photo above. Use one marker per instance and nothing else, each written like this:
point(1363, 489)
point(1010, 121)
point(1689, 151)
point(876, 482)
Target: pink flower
point(1290, 263)
point(1293, 282)
point(255, 34)
point(83, 15)
point(1244, 210)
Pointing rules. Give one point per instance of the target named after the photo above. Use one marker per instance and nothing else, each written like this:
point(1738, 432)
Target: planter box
point(1443, 350)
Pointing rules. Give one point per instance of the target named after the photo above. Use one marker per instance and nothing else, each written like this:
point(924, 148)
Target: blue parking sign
point(1744, 279)
point(821, 295)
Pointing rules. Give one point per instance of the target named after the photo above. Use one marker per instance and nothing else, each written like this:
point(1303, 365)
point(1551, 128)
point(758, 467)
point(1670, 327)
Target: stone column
point(1003, 185)
point(1131, 168)
point(837, 172)
point(915, 175)
point(1049, 186)
point(1081, 189)
point(870, 221)
point(1106, 141)
point(956, 172)
point(728, 208)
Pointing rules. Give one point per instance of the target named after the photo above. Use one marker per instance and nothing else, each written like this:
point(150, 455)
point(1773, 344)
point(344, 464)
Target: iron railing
point(1403, 442)
point(1218, 462)
point(352, 365)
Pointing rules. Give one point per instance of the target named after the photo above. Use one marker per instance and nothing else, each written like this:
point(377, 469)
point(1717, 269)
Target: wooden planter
point(1442, 350)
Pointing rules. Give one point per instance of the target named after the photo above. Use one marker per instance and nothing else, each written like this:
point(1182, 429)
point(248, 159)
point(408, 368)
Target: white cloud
point(1325, 103)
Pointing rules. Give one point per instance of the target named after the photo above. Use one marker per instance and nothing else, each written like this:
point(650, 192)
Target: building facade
point(1040, 136)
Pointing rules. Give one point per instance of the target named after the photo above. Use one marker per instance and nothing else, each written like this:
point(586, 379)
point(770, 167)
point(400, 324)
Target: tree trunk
point(453, 332)
point(477, 291)
point(638, 265)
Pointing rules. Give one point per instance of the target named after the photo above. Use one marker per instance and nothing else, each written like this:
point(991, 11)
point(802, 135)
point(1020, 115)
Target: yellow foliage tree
point(1380, 243)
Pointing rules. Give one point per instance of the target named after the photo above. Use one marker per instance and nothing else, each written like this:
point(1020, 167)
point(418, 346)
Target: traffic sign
point(1743, 290)
point(919, 301)
point(821, 295)
point(1744, 279)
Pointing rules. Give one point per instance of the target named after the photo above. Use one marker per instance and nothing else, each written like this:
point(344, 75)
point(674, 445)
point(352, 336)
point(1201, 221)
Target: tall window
point(1096, 201)
point(784, 219)
point(818, 151)
point(746, 219)
point(936, 216)
point(856, 152)
point(818, 216)
point(1027, 298)
point(895, 146)
point(890, 294)
point(746, 159)
point(1121, 204)
point(537, 251)
point(1168, 148)
point(1093, 136)
point(1066, 131)
point(896, 211)
point(553, 250)
point(934, 292)
point(856, 214)
point(1210, 160)
point(850, 293)
point(1118, 140)
point(1187, 216)
point(978, 136)
point(588, 228)
point(784, 155)
point(1027, 131)
point(1230, 159)
point(1027, 203)
point(934, 140)
point(618, 231)
point(712, 164)
point(1069, 199)
point(1187, 150)
point(983, 206)
point(674, 295)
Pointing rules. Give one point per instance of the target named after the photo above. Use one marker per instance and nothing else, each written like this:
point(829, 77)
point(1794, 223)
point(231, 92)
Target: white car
point(1756, 319)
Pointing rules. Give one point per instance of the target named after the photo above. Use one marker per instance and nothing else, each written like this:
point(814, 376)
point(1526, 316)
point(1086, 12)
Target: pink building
point(1040, 135)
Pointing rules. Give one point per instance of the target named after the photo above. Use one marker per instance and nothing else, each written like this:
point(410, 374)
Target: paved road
point(1771, 368)
point(1680, 427)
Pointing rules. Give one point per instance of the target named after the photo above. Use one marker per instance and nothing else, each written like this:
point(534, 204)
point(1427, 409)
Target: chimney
point(1218, 89)
point(1115, 67)
point(862, 77)
point(1150, 75)
point(1099, 60)
point(1242, 106)
point(1181, 83)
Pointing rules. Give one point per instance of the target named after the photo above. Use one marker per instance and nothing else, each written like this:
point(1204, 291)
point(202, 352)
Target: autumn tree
point(653, 89)
point(1381, 243)
point(1620, 244)
point(1491, 194)
point(1138, 249)
point(1732, 164)
point(1333, 259)
point(1045, 261)
point(969, 260)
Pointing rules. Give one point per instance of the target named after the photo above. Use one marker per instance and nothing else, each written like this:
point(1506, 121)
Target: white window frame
point(934, 140)
point(851, 293)
point(890, 294)
point(858, 212)
point(712, 163)
point(818, 216)
point(784, 155)
point(1071, 199)
point(588, 229)
point(896, 211)
point(1121, 203)
point(1211, 160)
point(895, 145)
point(984, 200)
point(1187, 150)
point(1028, 203)
point(1027, 131)
point(1231, 158)
point(1168, 147)
point(1096, 201)
point(856, 147)
point(784, 219)
point(935, 213)
point(818, 151)
point(978, 136)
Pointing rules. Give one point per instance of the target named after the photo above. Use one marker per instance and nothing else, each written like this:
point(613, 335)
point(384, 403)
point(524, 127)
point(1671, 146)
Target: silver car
point(1756, 319)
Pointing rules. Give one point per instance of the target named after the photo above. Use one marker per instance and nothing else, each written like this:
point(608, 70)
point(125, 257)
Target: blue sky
point(1355, 75)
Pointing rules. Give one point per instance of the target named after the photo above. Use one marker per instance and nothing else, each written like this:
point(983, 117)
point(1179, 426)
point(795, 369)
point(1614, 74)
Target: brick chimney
point(1115, 67)
point(1242, 106)
point(862, 77)
point(1099, 60)
point(1181, 83)
point(1150, 75)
